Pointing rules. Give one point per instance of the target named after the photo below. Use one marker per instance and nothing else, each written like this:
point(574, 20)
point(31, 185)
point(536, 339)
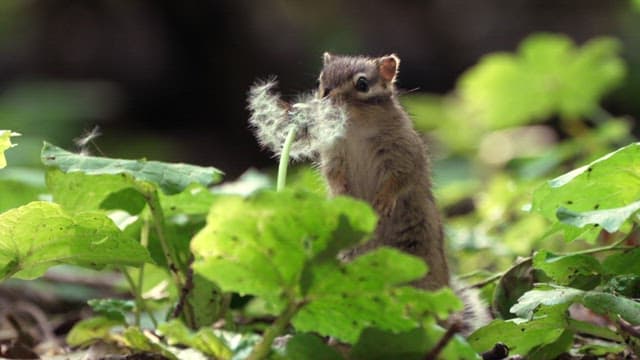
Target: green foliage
point(600, 194)
point(282, 248)
point(171, 178)
point(548, 75)
point(39, 235)
point(214, 250)
point(204, 340)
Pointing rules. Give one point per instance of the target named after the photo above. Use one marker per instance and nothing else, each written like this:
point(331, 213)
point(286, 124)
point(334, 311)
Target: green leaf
point(512, 285)
point(309, 347)
point(533, 299)
point(604, 303)
point(39, 235)
point(258, 245)
point(610, 219)
point(88, 330)
point(137, 340)
point(610, 182)
point(548, 75)
point(5, 144)
point(283, 247)
point(116, 309)
point(521, 336)
point(554, 349)
point(206, 300)
point(204, 340)
point(365, 293)
point(581, 271)
point(171, 178)
point(627, 262)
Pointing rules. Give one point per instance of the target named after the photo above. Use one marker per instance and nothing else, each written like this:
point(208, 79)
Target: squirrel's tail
point(476, 311)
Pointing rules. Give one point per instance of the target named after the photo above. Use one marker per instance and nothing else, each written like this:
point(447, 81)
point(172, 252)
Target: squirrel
point(382, 160)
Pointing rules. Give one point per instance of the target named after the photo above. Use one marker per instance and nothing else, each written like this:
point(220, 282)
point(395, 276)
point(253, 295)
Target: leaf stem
point(284, 159)
point(177, 268)
point(262, 349)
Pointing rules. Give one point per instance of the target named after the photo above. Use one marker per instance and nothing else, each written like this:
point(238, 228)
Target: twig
point(453, 329)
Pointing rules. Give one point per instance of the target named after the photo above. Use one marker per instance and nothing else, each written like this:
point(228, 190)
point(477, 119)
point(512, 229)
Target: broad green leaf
point(283, 247)
point(533, 299)
point(39, 235)
point(519, 335)
point(548, 75)
point(610, 182)
point(116, 309)
point(5, 144)
point(627, 262)
point(581, 271)
point(309, 347)
point(347, 299)
point(204, 340)
point(78, 191)
point(604, 303)
point(258, 245)
point(92, 329)
point(171, 178)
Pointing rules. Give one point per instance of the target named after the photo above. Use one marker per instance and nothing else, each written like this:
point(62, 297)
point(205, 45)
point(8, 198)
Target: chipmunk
point(381, 159)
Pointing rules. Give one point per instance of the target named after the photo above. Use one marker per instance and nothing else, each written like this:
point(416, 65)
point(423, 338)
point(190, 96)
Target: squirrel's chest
point(362, 162)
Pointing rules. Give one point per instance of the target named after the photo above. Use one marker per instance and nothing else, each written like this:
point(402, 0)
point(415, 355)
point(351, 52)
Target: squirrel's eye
point(362, 84)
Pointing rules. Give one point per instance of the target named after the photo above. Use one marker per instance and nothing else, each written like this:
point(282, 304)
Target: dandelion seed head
point(318, 122)
point(268, 117)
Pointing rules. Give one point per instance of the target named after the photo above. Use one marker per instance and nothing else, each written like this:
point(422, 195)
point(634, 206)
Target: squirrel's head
point(357, 79)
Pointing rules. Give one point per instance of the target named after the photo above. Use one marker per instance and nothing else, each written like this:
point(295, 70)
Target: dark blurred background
point(167, 79)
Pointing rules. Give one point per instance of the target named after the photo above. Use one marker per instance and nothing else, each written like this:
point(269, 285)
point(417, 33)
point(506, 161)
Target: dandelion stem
point(284, 159)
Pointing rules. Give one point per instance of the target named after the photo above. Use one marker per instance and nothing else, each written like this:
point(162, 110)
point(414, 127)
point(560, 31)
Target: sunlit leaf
point(203, 340)
point(39, 235)
point(547, 75)
point(610, 182)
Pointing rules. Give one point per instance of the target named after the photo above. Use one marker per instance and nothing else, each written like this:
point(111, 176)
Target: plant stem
point(177, 268)
point(136, 293)
point(262, 349)
point(284, 159)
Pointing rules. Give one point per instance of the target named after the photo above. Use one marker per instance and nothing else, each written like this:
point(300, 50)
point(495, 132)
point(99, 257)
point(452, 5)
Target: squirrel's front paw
point(384, 204)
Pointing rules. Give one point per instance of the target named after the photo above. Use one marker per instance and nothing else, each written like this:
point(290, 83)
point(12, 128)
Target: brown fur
point(383, 161)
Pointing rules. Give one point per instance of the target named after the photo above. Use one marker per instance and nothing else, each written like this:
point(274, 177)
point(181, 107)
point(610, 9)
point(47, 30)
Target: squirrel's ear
point(326, 58)
point(388, 67)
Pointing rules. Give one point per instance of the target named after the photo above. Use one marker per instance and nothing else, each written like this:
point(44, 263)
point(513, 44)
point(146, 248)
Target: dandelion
point(301, 130)
point(87, 138)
